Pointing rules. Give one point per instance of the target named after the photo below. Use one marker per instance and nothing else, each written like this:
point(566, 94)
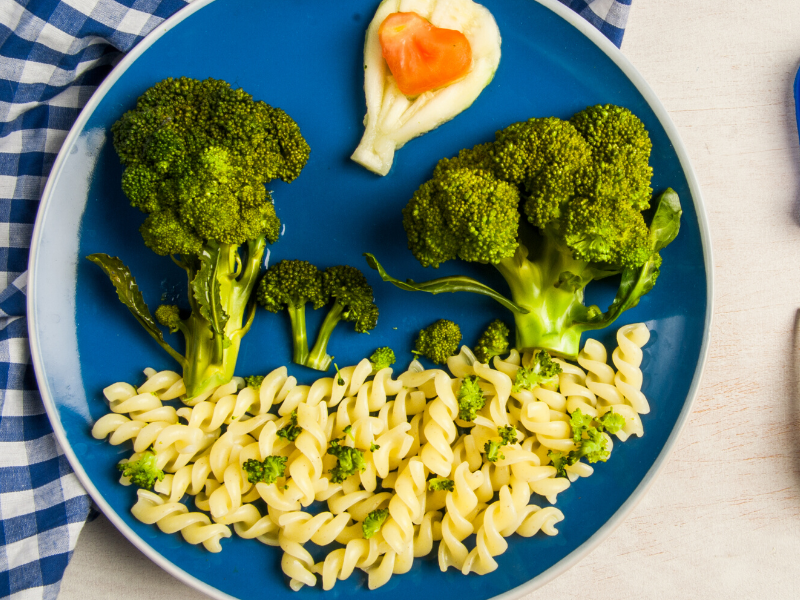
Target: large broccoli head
point(197, 156)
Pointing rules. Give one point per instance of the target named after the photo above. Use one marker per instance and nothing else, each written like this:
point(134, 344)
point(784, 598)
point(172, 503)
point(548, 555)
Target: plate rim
point(638, 81)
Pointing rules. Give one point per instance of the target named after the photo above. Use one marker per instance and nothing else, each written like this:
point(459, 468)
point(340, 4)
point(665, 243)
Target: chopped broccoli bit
point(142, 472)
point(508, 434)
point(470, 398)
point(492, 450)
point(382, 358)
point(438, 484)
point(553, 205)
point(590, 441)
point(374, 521)
point(543, 370)
point(493, 342)
point(254, 381)
point(266, 471)
point(579, 423)
point(350, 460)
point(373, 447)
point(439, 341)
point(611, 422)
point(290, 431)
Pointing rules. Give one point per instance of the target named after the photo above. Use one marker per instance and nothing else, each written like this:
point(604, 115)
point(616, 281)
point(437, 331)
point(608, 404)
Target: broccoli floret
point(438, 484)
point(382, 358)
point(611, 422)
point(470, 398)
point(290, 285)
point(508, 434)
point(169, 316)
point(254, 381)
point(442, 217)
point(543, 370)
point(266, 471)
point(197, 155)
point(438, 341)
point(143, 472)
point(290, 431)
point(373, 447)
point(553, 205)
point(349, 460)
point(493, 342)
point(589, 440)
point(374, 521)
point(352, 301)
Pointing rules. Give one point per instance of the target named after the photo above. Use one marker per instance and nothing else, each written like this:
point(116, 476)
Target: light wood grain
point(723, 518)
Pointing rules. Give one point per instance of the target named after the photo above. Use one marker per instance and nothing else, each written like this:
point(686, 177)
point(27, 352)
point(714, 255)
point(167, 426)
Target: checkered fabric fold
point(53, 55)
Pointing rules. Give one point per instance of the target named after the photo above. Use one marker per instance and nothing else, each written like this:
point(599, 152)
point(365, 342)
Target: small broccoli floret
point(352, 301)
point(438, 484)
point(266, 471)
point(374, 521)
point(589, 440)
point(290, 431)
point(382, 358)
point(611, 422)
point(508, 435)
point(543, 370)
point(493, 342)
point(143, 472)
point(350, 460)
point(438, 341)
point(169, 316)
point(290, 285)
point(620, 147)
point(373, 447)
point(254, 381)
point(470, 398)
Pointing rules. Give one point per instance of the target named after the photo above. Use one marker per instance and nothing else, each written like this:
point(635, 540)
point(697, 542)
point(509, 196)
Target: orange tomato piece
point(422, 56)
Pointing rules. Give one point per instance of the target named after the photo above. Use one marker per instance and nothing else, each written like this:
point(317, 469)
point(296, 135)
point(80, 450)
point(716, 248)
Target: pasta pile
point(408, 430)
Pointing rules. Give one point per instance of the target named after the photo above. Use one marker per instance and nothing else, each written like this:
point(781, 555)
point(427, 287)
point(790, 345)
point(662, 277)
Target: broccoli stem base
point(318, 358)
point(211, 355)
point(556, 314)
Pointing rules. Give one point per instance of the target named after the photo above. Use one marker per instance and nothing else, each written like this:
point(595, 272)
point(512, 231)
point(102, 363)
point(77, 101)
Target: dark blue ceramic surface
point(305, 57)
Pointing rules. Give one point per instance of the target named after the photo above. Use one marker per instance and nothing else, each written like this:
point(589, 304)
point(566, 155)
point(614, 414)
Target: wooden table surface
point(723, 518)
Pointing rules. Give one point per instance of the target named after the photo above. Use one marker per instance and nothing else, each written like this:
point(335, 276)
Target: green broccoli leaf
point(445, 284)
point(206, 288)
point(130, 295)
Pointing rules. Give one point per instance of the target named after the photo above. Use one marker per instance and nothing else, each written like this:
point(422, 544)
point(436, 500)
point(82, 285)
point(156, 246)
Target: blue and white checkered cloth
point(53, 55)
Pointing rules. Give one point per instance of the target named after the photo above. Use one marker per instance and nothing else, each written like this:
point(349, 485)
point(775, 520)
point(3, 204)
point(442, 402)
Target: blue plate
point(306, 58)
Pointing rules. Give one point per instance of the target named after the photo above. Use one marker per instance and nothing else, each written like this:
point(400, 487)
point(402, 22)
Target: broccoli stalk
point(291, 284)
point(352, 301)
point(197, 156)
point(583, 185)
